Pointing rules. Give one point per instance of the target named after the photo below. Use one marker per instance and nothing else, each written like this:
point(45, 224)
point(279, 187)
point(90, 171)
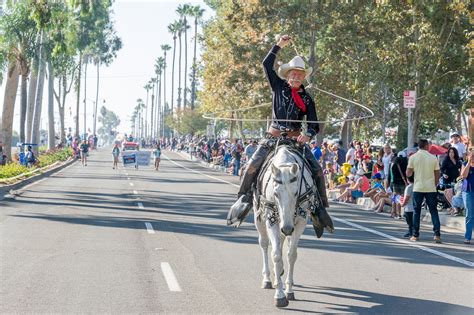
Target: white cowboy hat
point(297, 63)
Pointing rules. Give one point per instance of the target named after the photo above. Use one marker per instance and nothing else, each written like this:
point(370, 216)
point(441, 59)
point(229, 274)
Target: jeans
point(431, 201)
point(468, 198)
point(236, 167)
point(409, 217)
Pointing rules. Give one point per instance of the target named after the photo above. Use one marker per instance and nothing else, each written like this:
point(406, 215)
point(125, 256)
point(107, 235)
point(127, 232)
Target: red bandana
point(298, 101)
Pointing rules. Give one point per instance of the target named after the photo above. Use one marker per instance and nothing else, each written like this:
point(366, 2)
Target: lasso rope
point(310, 85)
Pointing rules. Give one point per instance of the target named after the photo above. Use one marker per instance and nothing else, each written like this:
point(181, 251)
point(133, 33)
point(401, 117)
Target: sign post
point(409, 101)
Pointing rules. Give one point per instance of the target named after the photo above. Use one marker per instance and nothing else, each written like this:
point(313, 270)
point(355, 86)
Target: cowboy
point(290, 101)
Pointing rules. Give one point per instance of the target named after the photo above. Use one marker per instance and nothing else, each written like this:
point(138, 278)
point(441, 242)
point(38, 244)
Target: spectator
point(454, 198)
point(398, 182)
point(2, 159)
point(407, 206)
point(377, 187)
point(456, 143)
point(426, 169)
point(30, 157)
point(316, 150)
point(329, 174)
point(367, 166)
point(250, 149)
point(341, 154)
point(237, 155)
point(387, 159)
point(451, 166)
point(350, 155)
point(467, 173)
point(357, 189)
point(378, 166)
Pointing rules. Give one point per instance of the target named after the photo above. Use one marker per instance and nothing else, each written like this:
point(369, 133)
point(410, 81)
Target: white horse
point(287, 191)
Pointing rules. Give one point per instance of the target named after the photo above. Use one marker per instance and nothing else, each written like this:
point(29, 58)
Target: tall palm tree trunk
point(179, 73)
point(164, 99)
point(35, 136)
point(78, 91)
point(160, 119)
point(94, 128)
point(86, 61)
point(152, 117)
point(193, 88)
point(8, 110)
point(185, 62)
point(51, 133)
point(31, 99)
point(23, 105)
point(146, 114)
point(172, 76)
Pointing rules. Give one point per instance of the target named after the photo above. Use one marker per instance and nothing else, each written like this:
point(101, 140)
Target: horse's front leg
point(292, 255)
point(274, 234)
point(264, 241)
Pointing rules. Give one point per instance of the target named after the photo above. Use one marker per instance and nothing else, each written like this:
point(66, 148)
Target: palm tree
point(180, 31)
point(158, 72)
point(140, 106)
point(197, 13)
point(152, 111)
point(165, 48)
point(173, 29)
point(147, 87)
point(183, 11)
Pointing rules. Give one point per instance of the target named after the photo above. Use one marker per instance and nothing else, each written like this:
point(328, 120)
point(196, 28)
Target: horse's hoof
point(282, 302)
point(267, 285)
point(290, 296)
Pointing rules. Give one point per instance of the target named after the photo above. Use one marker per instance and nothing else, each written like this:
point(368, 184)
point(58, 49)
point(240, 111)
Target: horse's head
point(285, 182)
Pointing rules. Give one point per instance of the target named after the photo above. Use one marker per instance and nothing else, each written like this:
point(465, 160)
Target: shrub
point(12, 169)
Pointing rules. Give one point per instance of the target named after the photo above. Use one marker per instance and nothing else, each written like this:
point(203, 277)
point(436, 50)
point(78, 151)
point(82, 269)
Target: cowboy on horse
point(290, 101)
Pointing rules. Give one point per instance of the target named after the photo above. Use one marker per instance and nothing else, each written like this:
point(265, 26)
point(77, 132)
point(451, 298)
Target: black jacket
point(283, 105)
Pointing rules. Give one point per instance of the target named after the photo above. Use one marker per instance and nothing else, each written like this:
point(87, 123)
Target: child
point(115, 154)
point(157, 156)
point(329, 174)
point(407, 206)
point(377, 187)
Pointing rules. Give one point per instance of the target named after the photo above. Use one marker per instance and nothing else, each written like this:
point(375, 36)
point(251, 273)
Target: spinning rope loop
point(310, 85)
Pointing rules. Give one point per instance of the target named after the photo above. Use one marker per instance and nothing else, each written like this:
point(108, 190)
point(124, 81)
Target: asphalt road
point(97, 240)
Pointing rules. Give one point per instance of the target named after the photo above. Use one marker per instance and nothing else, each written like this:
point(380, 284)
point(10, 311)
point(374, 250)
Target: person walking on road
point(84, 148)
point(467, 174)
point(116, 154)
point(426, 169)
point(157, 156)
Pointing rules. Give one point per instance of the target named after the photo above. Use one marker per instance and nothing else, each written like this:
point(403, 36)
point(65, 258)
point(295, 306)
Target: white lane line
point(126, 174)
point(135, 192)
point(131, 184)
point(194, 171)
point(409, 243)
point(128, 178)
point(170, 278)
point(421, 247)
point(140, 205)
point(149, 228)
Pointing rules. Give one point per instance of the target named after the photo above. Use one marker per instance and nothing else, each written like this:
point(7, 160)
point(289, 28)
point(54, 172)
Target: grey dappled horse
point(286, 192)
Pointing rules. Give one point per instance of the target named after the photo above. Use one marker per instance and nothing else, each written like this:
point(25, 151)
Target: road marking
point(140, 205)
point(131, 184)
point(126, 173)
point(194, 171)
point(170, 278)
point(128, 178)
point(135, 192)
point(149, 228)
point(409, 243)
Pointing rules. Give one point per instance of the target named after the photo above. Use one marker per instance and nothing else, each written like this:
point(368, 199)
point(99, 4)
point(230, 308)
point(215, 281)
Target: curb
point(11, 187)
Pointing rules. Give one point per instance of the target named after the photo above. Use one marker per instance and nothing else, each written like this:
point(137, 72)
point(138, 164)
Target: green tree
point(196, 12)
point(188, 121)
point(110, 122)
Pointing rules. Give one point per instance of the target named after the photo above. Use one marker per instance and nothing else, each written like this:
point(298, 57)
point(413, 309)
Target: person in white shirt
point(456, 143)
point(350, 155)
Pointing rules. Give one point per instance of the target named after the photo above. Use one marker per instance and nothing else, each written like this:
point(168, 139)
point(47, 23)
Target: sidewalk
point(362, 203)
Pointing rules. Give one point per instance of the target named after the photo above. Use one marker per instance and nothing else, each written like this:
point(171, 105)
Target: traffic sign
point(409, 99)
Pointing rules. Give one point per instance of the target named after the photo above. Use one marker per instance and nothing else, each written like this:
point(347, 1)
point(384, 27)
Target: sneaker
point(467, 242)
point(414, 238)
point(407, 235)
point(437, 239)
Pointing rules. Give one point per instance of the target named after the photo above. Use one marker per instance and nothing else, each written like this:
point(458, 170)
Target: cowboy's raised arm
point(313, 128)
point(269, 61)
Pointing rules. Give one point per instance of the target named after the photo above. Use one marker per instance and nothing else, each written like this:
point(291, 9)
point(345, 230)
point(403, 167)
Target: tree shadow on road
point(371, 302)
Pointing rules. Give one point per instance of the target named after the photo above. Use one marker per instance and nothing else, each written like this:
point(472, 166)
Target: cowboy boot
point(240, 209)
point(320, 216)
